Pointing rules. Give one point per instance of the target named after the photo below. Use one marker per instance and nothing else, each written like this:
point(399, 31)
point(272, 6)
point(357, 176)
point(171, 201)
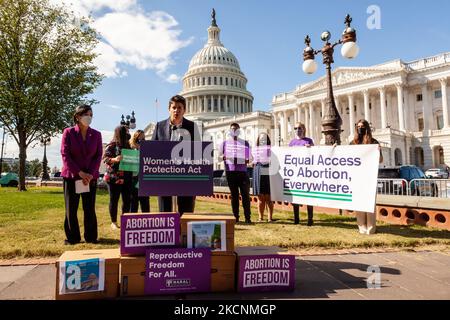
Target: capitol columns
point(366, 105)
point(445, 115)
point(382, 91)
point(426, 107)
point(285, 125)
point(400, 106)
point(351, 121)
point(311, 119)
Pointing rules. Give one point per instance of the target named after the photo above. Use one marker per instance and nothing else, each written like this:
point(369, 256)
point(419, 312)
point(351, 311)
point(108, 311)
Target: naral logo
point(175, 283)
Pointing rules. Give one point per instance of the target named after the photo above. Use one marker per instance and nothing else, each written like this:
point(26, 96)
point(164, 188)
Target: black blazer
point(189, 131)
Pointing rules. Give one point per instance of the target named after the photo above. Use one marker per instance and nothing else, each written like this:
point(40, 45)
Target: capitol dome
point(214, 85)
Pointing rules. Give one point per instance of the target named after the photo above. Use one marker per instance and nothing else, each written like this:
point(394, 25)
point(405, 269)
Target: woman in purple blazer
point(81, 151)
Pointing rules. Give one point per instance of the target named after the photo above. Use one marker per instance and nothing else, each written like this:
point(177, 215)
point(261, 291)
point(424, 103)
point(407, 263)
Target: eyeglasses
point(298, 128)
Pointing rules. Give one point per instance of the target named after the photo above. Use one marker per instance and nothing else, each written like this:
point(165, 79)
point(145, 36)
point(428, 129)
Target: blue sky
point(266, 37)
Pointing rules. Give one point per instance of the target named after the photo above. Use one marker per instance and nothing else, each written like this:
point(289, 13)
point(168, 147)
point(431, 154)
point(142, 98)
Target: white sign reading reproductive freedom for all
point(342, 177)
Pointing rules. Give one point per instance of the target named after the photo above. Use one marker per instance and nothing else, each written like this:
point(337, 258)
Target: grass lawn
point(31, 225)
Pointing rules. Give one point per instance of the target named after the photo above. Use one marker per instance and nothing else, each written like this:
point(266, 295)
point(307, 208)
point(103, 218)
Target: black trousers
point(136, 200)
point(72, 200)
point(239, 181)
point(297, 213)
point(115, 190)
point(184, 204)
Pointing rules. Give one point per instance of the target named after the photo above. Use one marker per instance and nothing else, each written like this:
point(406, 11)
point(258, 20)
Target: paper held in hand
point(80, 187)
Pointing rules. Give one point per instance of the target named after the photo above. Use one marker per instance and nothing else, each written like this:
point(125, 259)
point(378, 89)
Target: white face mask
point(86, 120)
point(234, 133)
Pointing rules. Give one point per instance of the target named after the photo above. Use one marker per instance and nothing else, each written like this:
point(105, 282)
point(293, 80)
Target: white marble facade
point(407, 105)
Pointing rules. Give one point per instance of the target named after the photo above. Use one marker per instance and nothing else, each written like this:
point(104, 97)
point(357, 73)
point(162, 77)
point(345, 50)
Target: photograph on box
point(81, 276)
point(207, 234)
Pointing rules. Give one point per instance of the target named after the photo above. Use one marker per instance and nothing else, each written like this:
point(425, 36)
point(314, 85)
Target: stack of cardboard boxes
point(247, 269)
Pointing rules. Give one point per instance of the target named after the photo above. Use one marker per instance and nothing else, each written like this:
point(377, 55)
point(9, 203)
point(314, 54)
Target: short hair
point(301, 125)
point(80, 110)
point(178, 98)
point(235, 124)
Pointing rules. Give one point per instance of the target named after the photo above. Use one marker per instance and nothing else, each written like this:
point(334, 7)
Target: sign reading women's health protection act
point(170, 271)
point(81, 276)
point(342, 177)
point(139, 232)
point(170, 168)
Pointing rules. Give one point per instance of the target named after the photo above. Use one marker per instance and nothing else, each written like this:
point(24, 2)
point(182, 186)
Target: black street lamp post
point(45, 141)
point(130, 122)
point(331, 120)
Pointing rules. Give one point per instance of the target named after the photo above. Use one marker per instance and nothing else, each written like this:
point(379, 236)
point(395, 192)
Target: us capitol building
point(406, 103)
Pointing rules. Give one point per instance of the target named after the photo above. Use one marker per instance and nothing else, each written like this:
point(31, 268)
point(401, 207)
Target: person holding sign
point(119, 181)
point(300, 140)
point(363, 135)
point(135, 143)
point(261, 181)
point(235, 153)
point(176, 128)
point(81, 151)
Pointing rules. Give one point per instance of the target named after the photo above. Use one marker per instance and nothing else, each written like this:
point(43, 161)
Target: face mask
point(362, 131)
point(86, 120)
point(235, 133)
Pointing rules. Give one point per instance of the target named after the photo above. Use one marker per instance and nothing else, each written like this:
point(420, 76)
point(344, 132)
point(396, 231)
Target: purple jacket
point(81, 155)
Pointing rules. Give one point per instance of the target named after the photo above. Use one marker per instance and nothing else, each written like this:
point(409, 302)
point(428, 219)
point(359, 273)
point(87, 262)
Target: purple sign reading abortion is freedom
point(171, 168)
point(139, 232)
point(266, 273)
point(170, 271)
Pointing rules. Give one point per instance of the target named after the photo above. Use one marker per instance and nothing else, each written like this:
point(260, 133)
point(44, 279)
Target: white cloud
point(173, 78)
point(87, 7)
point(131, 36)
point(113, 106)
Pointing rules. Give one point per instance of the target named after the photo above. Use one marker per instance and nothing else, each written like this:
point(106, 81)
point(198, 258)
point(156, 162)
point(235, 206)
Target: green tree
point(5, 167)
point(46, 70)
point(34, 168)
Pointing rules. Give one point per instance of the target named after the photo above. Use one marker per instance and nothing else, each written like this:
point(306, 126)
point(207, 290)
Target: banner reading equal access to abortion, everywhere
point(170, 168)
point(342, 177)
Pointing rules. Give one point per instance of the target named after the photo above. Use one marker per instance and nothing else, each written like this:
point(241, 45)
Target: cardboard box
point(132, 274)
point(261, 269)
point(223, 272)
point(111, 276)
point(229, 219)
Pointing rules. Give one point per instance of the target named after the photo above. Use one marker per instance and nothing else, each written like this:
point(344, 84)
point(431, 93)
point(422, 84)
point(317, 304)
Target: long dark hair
point(268, 139)
point(367, 139)
point(121, 137)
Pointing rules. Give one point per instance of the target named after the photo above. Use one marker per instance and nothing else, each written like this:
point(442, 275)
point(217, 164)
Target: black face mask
point(362, 131)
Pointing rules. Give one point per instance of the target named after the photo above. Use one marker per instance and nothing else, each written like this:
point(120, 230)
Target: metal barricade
point(393, 187)
point(439, 188)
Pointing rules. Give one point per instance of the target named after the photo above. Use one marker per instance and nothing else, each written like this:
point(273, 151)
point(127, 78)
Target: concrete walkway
point(404, 275)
